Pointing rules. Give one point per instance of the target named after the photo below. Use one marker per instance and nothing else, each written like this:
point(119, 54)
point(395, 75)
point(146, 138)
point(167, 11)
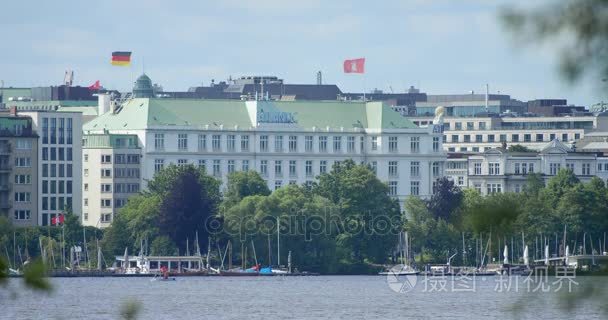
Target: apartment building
point(59, 151)
point(111, 174)
point(18, 169)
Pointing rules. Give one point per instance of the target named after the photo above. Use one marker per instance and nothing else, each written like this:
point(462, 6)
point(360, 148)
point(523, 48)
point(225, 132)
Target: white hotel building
point(286, 142)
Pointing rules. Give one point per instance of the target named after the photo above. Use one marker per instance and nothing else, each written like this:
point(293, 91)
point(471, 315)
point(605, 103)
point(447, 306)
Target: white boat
point(404, 255)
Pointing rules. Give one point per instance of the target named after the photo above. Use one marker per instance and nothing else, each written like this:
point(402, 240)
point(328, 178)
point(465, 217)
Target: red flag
point(95, 86)
point(58, 219)
point(354, 66)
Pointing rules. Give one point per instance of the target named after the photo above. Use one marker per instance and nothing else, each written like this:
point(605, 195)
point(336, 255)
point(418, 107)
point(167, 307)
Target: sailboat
point(404, 253)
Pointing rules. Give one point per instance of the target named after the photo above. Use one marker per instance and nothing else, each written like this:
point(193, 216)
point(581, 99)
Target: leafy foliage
point(582, 22)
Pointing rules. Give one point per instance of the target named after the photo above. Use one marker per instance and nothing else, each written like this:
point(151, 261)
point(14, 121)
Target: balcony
point(6, 205)
point(5, 168)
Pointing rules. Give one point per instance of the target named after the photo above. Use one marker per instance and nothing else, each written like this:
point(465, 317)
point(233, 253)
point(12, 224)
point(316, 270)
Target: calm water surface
point(323, 297)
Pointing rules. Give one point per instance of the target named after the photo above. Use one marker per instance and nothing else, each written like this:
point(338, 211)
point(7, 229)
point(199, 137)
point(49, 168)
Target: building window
point(23, 162)
point(466, 138)
point(106, 203)
point(515, 138)
point(494, 168)
point(278, 144)
point(392, 188)
point(374, 167)
point(244, 143)
point(415, 144)
point(350, 144)
point(436, 169)
point(458, 126)
point(454, 138)
point(414, 188)
point(202, 163)
point(478, 138)
point(477, 168)
point(374, 143)
point(159, 164)
point(552, 137)
point(337, 144)
point(106, 173)
point(392, 144)
point(570, 166)
point(278, 168)
point(539, 137)
point(23, 179)
point(292, 168)
point(245, 165)
point(118, 159)
point(323, 166)
point(517, 168)
point(216, 168)
point(106, 158)
point(182, 162)
point(527, 137)
point(470, 126)
point(231, 166)
point(216, 142)
point(323, 144)
point(435, 144)
point(277, 184)
point(503, 138)
point(392, 169)
point(494, 188)
point(159, 141)
point(308, 168)
point(491, 138)
point(475, 149)
point(564, 137)
point(415, 169)
point(482, 126)
point(293, 143)
point(531, 167)
point(22, 214)
point(202, 142)
point(264, 168)
point(553, 168)
point(86, 187)
point(231, 143)
point(460, 180)
point(182, 141)
point(264, 143)
point(106, 187)
point(23, 197)
point(577, 136)
point(586, 169)
point(308, 143)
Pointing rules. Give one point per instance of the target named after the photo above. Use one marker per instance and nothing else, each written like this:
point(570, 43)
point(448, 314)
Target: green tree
point(242, 184)
point(445, 200)
point(189, 199)
point(519, 148)
point(361, 199)
point(558, 185)
point(582, 21)
point(163, 246)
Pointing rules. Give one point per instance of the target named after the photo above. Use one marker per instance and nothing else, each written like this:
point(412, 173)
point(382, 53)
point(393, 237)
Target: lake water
point(322, 297)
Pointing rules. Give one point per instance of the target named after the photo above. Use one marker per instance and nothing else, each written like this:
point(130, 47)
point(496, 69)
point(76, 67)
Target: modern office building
point(468, 105)
point(498, 170)
point(478, 134)
point(18, 169)
point(286, 142)
point(111, 174)
point(59, 153)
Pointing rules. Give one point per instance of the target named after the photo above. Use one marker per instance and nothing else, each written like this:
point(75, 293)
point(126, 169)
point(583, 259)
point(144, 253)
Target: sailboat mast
point(278, 243)
point(208, 250)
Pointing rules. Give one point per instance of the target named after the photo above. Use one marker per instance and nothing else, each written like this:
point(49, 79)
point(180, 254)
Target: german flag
point(121, 58)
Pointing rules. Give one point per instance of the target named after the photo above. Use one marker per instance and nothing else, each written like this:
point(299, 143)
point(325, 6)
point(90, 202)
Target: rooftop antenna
point(319, 78)
point(487, 95)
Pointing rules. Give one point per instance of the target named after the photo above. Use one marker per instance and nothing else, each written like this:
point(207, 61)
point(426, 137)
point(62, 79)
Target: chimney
point(13, 110)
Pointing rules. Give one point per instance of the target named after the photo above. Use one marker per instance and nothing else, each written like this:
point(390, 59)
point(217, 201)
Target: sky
point(439, 46)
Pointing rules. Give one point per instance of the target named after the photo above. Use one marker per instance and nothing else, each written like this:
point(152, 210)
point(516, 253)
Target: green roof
point(86, 111)
point(144, 113)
